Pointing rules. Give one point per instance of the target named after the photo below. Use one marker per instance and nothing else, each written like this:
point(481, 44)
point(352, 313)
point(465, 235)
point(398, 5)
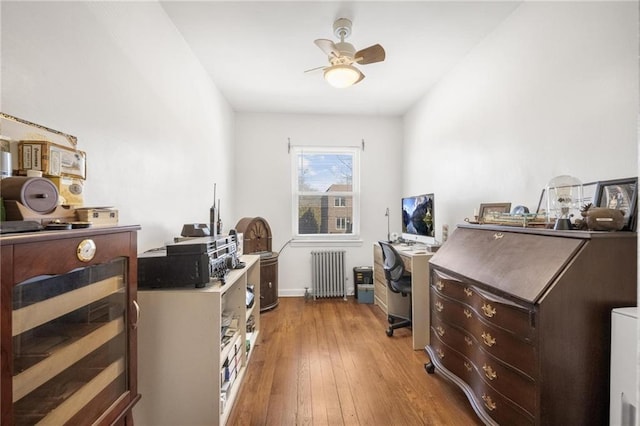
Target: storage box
point(365, 293)
point(98, 216)
point(362, 275)
point(51, 159)
point(69, 189)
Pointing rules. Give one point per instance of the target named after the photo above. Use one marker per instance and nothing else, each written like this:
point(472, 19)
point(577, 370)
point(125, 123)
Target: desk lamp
point(388, 230)
point(564, 193)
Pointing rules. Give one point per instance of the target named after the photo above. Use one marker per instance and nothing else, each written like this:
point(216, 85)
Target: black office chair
point(398, 281)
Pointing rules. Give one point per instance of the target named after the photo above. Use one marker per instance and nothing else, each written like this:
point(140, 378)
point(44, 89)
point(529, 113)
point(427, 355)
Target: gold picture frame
point(490, 208)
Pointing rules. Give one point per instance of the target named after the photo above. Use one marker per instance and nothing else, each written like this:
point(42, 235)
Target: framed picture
point(19, 129)
point(620, 194)
point(489, 208)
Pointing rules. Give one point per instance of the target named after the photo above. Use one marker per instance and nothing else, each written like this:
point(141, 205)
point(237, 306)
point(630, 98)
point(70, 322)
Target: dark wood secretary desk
point(521, 320)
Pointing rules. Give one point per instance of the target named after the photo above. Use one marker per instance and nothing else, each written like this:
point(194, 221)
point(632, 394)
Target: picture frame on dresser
point(619, 194)
point(488, 208)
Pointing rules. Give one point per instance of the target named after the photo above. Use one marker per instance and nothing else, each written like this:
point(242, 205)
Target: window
point(326, 192)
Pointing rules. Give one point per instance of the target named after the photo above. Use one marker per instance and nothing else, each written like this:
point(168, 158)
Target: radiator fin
point(328, 276)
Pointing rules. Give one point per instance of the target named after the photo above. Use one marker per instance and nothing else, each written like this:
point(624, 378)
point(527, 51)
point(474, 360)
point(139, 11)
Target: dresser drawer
point(493, 309)
point(502, 344)
point(493, 403)
point(520, 388)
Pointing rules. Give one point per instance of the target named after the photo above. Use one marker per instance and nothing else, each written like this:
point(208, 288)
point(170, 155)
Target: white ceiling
point(257, 52)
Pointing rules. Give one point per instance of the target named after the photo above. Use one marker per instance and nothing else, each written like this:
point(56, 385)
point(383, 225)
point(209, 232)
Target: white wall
point(120, 77)
point(553, 90)
point(263, 181)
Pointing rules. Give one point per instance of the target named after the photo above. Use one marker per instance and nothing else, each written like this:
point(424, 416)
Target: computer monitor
point(418, 220)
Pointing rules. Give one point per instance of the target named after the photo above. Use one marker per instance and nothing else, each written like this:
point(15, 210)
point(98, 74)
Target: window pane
point(318, 214)
point(320, 172)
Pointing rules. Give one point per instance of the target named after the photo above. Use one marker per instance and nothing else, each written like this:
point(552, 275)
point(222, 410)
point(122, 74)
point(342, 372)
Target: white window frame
point(339, 202)
point(355, 193)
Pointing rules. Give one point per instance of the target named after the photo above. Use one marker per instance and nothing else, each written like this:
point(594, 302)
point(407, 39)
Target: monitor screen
point(418, 221)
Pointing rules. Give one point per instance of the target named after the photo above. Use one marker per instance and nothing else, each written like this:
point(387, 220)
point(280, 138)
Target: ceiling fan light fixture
point(342, 76)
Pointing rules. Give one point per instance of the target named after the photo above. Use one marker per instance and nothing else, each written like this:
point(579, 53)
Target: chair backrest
point(392, 264)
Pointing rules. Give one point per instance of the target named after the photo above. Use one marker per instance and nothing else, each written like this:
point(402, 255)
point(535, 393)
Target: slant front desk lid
point(519, 264)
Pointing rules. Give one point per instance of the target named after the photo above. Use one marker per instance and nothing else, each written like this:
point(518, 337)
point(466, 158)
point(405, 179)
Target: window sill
point(326, 243)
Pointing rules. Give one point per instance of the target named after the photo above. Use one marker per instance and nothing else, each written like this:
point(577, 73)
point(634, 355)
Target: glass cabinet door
point(70, 345)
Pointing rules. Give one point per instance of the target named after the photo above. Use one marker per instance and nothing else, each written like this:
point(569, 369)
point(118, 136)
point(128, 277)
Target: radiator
point(328, 277)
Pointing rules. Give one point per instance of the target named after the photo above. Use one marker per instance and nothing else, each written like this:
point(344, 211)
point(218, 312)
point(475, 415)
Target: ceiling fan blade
point(359, 79)
point(316, 68)
point(370, 55)
point(328, 47)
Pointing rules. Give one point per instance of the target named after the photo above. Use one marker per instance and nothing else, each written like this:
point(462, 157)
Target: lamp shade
point(341, 76)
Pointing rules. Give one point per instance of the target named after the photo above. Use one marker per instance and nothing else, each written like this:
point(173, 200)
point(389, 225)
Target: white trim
point(301, 242)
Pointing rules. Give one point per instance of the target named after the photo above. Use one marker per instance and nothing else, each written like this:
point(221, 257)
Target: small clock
point(86, 250)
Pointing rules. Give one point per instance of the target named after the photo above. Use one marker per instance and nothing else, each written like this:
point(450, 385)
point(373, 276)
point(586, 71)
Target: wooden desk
point(416, 262)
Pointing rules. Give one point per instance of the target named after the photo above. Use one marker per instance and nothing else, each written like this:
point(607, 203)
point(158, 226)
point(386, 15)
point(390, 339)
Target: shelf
point(224, 354)
point(180, 334)
point(252, 338)
point(250, 311)
point(56, 403)
point(232, 394)
point(64, 356)
point(31, 316)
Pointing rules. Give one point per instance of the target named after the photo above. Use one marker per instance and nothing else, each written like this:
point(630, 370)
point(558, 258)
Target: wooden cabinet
point(520, 320)
point(194, 347)
point(257, 239)
point(268, 281)
point(379, 281)
point(68, 333)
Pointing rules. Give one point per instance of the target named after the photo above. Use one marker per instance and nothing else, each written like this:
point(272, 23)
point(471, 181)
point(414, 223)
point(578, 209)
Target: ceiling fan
point(342, 56)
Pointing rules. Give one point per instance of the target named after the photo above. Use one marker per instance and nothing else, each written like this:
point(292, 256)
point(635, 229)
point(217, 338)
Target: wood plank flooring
point(329, 362)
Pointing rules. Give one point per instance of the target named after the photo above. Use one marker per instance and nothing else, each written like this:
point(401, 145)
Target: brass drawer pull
point(467, 313)
point(440, 353)
point(488, 340)
point(468, 292)
point(439, 285)
point(440, 330)
point(488, 310)
point(439, 306)
point(467, 366)
point(498, 235)
point(468, 340)
point(488, 402)
point(488, 371)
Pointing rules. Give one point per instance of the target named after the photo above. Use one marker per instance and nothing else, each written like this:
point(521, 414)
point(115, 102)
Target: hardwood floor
point(329, 362)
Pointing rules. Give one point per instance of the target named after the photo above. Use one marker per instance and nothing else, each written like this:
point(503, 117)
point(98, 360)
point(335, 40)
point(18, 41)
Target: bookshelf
point(194, 348)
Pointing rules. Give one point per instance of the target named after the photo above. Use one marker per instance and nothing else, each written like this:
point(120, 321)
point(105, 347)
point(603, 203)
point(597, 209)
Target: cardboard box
point(51, 159)
point(71, 190)
point(98, 216)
